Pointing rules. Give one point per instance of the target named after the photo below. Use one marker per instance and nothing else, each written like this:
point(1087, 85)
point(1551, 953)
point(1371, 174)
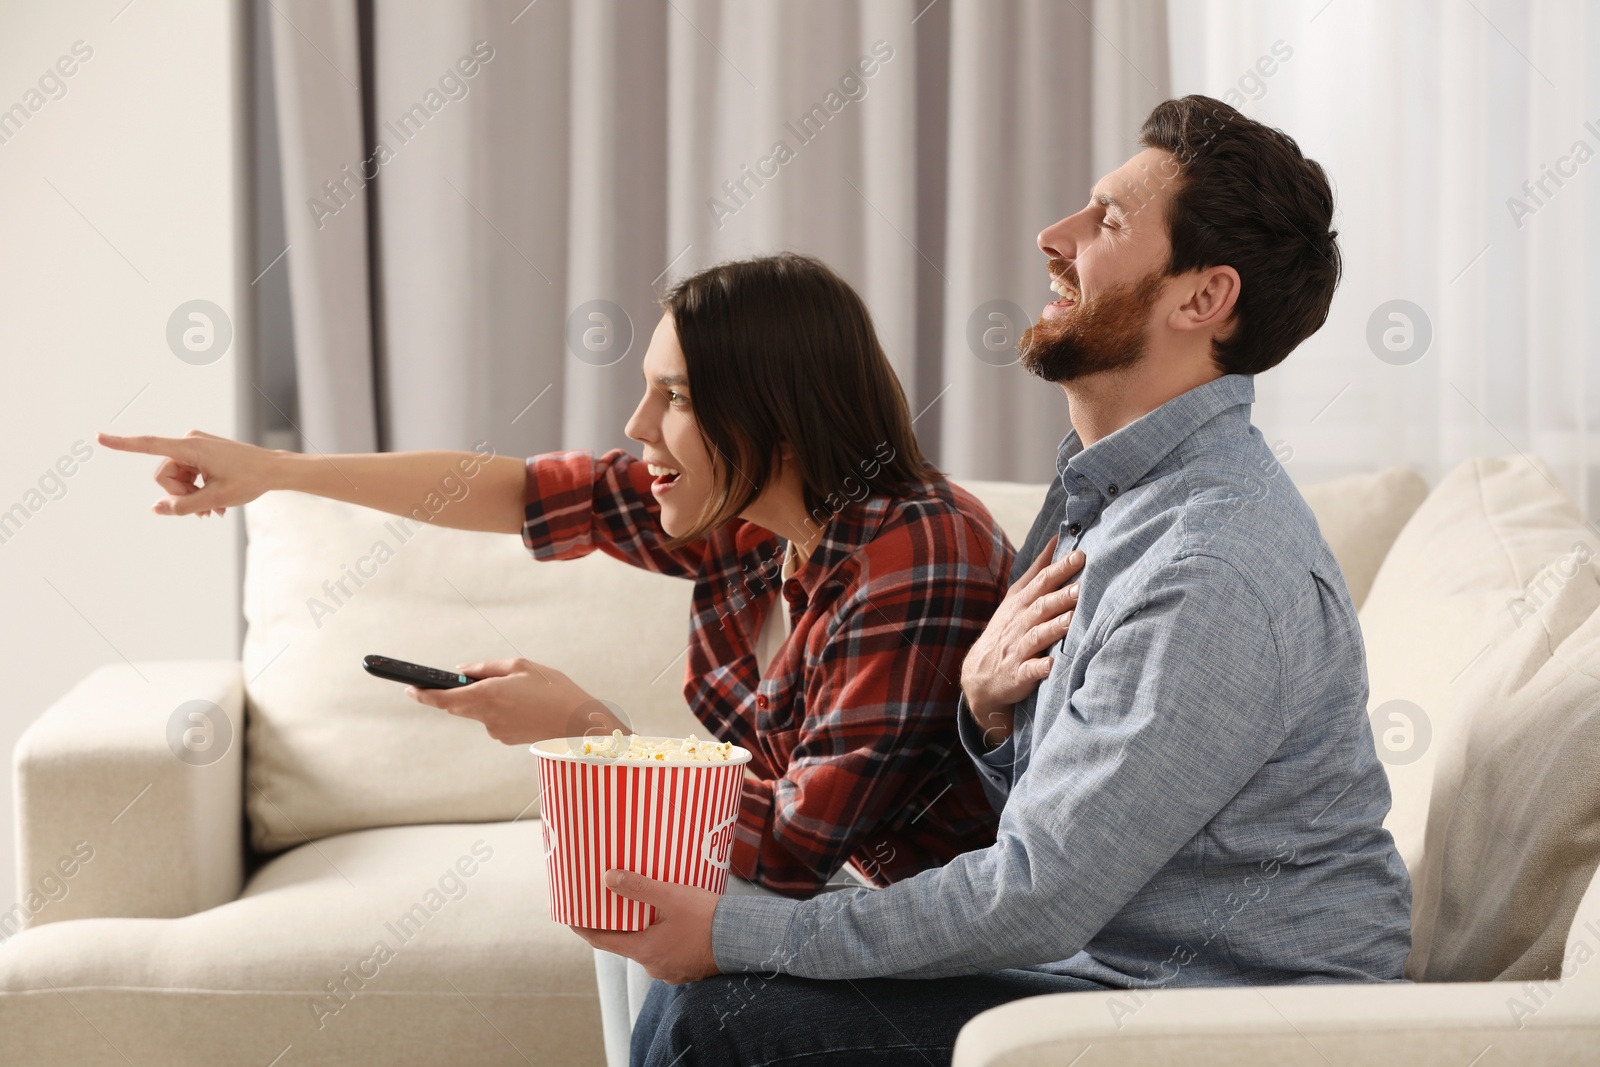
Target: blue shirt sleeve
point(994, 765)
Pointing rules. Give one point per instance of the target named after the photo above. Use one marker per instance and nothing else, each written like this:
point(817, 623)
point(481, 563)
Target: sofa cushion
point(1513, 825)
point(330, 748)
point(1360, 516)
point(1476, 631)
point(415, 945)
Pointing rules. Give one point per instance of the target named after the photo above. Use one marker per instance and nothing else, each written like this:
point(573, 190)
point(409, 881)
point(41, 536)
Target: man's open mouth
point(1069, 295)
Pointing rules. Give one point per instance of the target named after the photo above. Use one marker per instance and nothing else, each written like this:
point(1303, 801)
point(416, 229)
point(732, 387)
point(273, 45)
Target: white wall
point(119, 201)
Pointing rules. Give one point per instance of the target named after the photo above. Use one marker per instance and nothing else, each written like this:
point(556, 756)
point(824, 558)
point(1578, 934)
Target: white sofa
point(283, 861)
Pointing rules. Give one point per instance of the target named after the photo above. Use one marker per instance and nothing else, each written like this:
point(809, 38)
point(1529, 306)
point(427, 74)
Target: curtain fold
point(316, 66)
point(475, 210)
point(617, 229)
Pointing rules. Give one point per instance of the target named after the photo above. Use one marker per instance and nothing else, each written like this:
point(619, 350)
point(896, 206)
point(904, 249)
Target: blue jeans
point(751, 1020)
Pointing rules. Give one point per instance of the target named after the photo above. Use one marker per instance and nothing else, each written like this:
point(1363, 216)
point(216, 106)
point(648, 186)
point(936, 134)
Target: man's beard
point(1106, 333)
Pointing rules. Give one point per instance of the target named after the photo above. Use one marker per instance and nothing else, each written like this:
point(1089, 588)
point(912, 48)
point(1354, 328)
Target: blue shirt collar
point(1117, 461)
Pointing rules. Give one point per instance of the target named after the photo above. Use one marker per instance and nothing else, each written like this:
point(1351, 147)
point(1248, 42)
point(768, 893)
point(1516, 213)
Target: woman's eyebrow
point(671, 380)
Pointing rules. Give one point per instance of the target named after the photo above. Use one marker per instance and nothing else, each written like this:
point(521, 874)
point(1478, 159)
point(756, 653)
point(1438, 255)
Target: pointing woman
point(839, 579)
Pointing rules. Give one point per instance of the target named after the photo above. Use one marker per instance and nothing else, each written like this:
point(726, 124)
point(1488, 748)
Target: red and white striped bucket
point(671, 820)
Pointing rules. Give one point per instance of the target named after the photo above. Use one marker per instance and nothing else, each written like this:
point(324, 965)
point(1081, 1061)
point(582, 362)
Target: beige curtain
point(1437, 121)
point(602, 149)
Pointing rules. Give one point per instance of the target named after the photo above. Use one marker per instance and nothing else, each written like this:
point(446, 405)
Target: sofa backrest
point(331, 749)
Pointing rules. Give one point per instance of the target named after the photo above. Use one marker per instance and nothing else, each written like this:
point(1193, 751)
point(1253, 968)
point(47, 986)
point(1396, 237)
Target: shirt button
point(761, 701)
point(1111, 490)
point(1075, 529)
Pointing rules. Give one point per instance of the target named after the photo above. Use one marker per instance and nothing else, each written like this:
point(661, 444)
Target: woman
point(777, 457)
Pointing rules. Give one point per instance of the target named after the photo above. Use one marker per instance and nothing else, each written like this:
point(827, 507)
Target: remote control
point(398, 670)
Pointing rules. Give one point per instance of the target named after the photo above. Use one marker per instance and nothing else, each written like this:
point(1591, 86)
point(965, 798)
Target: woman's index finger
point(173, 447)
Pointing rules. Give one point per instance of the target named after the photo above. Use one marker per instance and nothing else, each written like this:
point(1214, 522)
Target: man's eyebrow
point(1107, 200)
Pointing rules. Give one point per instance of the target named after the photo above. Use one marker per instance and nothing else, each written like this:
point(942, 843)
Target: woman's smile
point(665, 477)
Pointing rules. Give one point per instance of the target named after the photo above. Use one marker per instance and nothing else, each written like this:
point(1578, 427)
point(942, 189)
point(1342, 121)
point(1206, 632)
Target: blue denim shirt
point(1192, 797)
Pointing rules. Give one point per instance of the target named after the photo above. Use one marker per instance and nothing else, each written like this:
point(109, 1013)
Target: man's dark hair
point(781, 350)
point(1247, 198)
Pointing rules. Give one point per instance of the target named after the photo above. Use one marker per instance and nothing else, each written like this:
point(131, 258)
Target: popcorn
point(666, 806)
point(635, 748)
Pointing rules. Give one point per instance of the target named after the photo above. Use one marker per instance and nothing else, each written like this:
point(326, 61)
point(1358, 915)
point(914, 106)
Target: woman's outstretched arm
point(465, 490)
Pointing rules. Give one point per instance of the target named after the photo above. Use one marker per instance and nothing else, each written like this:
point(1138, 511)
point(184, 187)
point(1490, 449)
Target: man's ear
point(1212, 295)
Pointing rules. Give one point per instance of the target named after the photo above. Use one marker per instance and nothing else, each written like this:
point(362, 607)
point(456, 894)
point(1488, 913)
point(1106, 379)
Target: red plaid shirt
point(853, 728)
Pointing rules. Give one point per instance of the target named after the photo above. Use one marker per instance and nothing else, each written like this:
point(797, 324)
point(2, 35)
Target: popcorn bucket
point(671, 820)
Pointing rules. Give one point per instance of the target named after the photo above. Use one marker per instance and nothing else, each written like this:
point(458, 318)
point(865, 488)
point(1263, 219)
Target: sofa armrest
point(1428, 1025)
point(111, 820)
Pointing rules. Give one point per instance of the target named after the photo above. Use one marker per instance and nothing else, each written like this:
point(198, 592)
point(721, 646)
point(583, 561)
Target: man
point(1188, 788)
